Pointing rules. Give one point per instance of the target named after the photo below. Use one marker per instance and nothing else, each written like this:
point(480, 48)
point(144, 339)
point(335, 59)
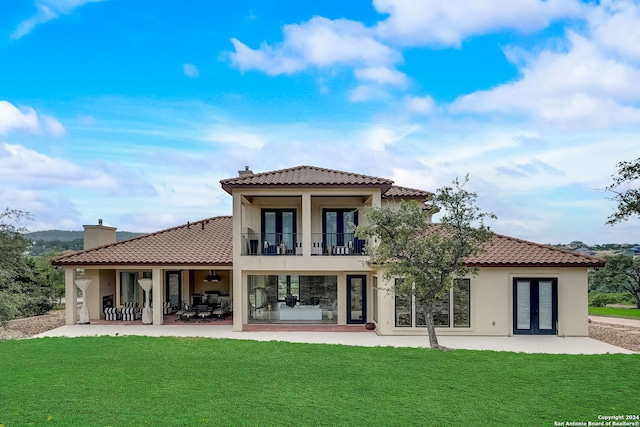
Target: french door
point(339, 226)
point(356, 299)
point(535, 306)
point(278, 230)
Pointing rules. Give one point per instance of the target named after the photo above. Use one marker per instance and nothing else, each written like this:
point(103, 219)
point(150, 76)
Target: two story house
point(289, 256)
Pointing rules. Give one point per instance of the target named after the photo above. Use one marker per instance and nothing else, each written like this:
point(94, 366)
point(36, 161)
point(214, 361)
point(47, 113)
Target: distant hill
point(46, 242)
point(601, 250)
point(66, 236)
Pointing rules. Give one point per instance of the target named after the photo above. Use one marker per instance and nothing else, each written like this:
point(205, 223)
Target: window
point(462, 303)
point(288, 285)
point(339, 226)
point(375, 298)
point(404, 312)
point(279, 230)
point(316, 295)
point(129, 288)
point(440, 312)
point(454, 306)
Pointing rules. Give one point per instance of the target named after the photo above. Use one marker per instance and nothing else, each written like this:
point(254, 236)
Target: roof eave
point(535, 264)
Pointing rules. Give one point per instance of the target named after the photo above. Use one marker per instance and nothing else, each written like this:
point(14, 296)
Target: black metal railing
point(327, 244)
point(336, 244)
point(271, 244)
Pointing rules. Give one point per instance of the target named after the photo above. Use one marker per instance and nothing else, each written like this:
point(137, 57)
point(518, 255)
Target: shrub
point(600, 299)
point(597, 299)
point(36, 305)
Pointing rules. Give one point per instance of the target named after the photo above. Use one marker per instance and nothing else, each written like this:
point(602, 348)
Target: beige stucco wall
point(492, 303)
point(308, 204)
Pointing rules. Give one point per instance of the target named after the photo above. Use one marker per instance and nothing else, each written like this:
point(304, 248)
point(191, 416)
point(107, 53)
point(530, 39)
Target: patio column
point(71, 296)
point(306, 224)
point(158, 299)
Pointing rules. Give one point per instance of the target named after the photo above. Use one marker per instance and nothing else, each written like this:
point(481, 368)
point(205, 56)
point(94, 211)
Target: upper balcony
point(291, 244)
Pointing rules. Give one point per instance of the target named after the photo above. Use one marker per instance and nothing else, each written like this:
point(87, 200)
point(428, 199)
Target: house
point(289, 255)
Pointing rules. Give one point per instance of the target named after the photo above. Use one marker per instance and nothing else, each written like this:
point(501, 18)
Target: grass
point(628, 313)
point(168, 381)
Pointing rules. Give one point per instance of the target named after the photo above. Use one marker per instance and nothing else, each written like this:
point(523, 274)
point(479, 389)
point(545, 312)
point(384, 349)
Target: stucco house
point(288, 255)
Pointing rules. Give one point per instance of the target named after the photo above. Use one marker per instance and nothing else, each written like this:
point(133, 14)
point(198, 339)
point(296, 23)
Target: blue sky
point(133, 110)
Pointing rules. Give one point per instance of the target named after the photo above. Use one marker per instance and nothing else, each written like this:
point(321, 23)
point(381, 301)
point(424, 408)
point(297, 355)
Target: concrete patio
point(521, 343)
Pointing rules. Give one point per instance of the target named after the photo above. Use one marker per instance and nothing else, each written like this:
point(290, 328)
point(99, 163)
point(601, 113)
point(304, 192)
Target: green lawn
point(144, 381)
point(629, 313)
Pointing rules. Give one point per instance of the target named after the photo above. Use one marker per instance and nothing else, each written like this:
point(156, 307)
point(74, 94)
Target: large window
point(279, 231)
point(452, 310)
point(314, 298)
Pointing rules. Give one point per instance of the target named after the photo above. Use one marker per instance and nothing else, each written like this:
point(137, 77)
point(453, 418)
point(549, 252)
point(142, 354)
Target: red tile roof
point(207, 242)
point(504, 251)
point(406, 193)
point(305, 176)
point(192, 245)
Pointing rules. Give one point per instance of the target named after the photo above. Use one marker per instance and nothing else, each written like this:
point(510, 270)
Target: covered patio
point(181, 271)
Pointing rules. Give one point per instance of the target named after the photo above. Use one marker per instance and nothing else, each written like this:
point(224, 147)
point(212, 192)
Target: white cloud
point(13, 118)
point(449, 22)
point(51, 126)
point(22, 166)
point(366, 92)
point(378, 137)
point(190, 70)
point(31, 165)
point(246, 139)
point(421, 105)
point(324, 44)
point(616, 27)
point(47, 10)
point(382, 75)
point(583, 86)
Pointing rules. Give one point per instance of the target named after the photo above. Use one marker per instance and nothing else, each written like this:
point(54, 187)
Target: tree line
point(29, 286)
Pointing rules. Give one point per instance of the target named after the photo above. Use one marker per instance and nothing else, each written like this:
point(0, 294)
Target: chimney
point(245, 172)
point(98, 235)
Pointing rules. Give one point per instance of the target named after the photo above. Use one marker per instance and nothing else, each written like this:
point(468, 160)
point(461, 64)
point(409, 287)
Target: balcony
point(290, 244)
point(272, 244)
point(338, 244)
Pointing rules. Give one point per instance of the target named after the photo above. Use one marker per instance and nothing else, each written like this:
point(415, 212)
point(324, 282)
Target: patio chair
point(188, 312)
point(204, 313)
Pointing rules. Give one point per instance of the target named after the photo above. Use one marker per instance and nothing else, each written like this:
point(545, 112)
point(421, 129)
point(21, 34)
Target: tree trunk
point(431, 329)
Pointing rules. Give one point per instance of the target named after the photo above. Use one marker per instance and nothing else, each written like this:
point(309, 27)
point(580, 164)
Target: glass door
point(535, 306)
point(356, 299)
point(173, 291)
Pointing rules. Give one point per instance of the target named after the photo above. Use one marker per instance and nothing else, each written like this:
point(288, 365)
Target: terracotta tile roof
point(212, 246)
point(399, 192)
point(207, 242)
point(307, 176)
point(504, 251)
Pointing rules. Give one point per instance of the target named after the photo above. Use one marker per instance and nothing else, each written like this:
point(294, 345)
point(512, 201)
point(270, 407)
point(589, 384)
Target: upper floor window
point(279, 230)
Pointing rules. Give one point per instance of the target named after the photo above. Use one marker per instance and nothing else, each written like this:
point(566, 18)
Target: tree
point(628, 198)
point(14, 270)
point(620, 274)
point(428, 257)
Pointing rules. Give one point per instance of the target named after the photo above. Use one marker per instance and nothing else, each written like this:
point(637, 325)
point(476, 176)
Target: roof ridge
point(300, 167)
